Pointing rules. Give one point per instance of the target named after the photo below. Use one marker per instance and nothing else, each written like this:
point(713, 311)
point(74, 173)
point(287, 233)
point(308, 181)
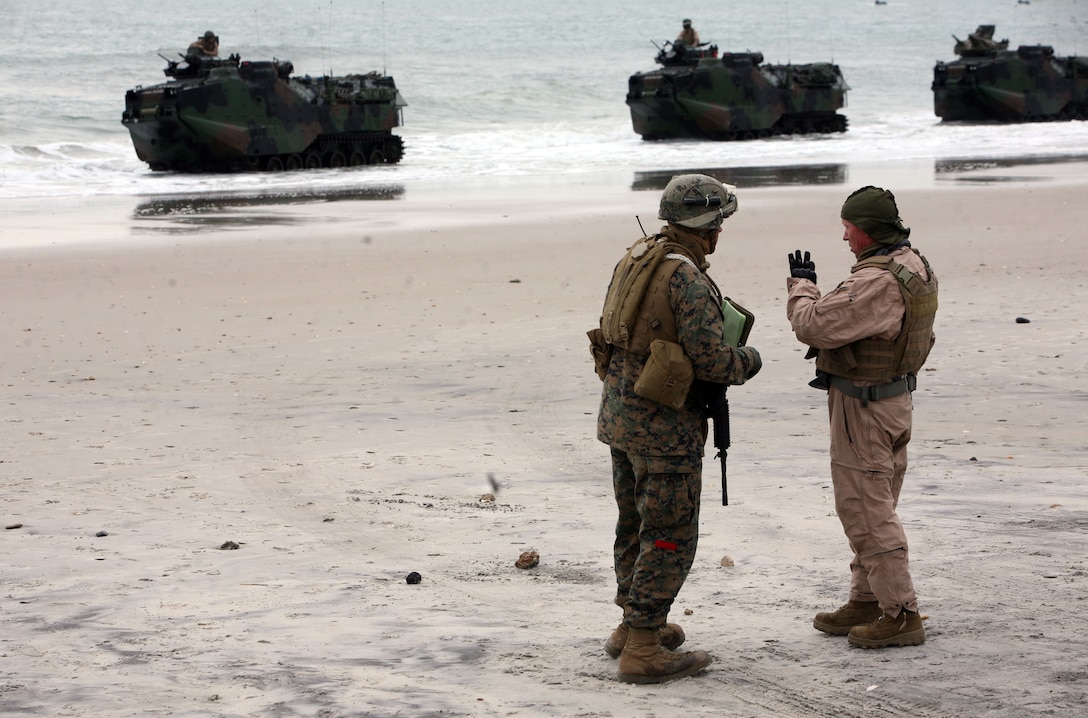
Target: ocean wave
point(110, 168)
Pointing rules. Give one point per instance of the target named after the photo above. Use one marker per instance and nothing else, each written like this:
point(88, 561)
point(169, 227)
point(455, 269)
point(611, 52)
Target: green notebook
point(738, 323)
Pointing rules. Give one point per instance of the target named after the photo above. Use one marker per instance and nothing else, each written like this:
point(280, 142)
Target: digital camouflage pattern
point(992, 83)
point(656, 450)
point(226, 114)
point(697, 94)
point(687, 201)
point(637, 425)
point(657, 533)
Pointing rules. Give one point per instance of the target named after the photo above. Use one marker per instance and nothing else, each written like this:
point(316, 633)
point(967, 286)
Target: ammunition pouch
point(667, 376)
point(600, 350)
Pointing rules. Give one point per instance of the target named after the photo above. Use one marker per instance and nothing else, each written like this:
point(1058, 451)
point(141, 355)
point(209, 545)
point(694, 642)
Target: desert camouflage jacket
point(866, 305)
point(641, 426)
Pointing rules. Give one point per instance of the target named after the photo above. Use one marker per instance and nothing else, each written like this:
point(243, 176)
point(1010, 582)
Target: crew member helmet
point(697, 201)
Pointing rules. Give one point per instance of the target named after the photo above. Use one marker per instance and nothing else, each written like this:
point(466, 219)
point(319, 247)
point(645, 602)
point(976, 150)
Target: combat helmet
point(697, 201)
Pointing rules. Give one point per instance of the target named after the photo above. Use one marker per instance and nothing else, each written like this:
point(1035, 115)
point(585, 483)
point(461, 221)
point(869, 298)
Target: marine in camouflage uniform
point(872, 334)
point(657, 450)
point(205, 46)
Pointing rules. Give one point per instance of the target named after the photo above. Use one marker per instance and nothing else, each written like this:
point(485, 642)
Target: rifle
point(716, 408)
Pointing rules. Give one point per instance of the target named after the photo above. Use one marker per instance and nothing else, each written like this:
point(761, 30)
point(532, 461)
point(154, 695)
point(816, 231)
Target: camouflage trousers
point(656, 533)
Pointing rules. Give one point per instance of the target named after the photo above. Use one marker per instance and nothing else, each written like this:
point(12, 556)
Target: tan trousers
point(868, 461)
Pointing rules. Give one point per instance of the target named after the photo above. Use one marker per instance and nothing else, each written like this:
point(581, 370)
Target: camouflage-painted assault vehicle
point(225, 115)
point(990, 82)
point(697, 94)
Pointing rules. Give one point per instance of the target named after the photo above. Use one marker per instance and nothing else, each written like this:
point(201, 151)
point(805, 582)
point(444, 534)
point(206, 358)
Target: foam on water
point(500, 90)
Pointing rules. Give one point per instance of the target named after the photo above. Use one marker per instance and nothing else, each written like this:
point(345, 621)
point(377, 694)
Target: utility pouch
point(629, 281)
point(822, 381)
point(600, 350)
point(667, 376)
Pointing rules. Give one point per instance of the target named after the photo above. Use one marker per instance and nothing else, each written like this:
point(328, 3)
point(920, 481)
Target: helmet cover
point(697, 201)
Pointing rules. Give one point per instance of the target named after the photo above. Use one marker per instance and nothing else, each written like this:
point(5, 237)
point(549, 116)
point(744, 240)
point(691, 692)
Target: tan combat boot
point(903, 630)
point(852, 613)
point(671, 636)
point(645, 660)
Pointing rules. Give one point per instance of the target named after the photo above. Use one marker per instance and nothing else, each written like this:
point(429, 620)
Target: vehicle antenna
point(789, 39)
point(830, 32)
point(1074, 25)
point(384, 70)
point(257, 27)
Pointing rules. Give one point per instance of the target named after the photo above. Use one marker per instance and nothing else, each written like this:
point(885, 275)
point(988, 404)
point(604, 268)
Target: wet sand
point(336, 385)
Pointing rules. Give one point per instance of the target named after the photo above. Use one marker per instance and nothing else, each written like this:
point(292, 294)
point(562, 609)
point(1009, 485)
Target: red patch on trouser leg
point(666, 545)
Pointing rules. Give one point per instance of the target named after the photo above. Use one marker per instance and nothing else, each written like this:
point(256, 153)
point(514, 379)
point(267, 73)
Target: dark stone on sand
point(527, 560)
point(413, 578)
point(100, 534)
point(1023, 320)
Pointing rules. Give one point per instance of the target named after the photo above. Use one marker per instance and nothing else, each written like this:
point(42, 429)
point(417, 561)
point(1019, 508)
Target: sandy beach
point(233, 428)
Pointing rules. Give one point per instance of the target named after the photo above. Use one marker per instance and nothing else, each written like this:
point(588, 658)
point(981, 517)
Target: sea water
point(501, 90)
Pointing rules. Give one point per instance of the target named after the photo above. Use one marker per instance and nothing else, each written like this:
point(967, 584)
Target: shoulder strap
point(906, 278)
point(629, 281)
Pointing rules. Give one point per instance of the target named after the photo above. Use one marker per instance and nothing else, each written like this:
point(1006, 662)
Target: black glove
point(802, 268)
point(752, 361)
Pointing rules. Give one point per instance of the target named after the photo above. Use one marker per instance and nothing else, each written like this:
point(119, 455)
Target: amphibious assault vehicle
point(698, 94)
point(220, 114)
point(990, 82)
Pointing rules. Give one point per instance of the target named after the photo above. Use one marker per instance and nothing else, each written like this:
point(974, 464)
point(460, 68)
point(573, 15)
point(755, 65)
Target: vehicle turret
point(989, 82)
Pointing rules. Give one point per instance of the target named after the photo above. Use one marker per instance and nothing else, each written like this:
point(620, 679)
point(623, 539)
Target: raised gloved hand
point(802, 268)
point(752, 362)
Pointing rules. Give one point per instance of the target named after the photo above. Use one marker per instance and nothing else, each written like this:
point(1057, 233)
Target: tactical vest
point(880, 360)
point(655, 317)
point(636, 308)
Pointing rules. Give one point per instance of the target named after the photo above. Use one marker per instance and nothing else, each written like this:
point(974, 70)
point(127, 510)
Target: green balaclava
point(873, 211)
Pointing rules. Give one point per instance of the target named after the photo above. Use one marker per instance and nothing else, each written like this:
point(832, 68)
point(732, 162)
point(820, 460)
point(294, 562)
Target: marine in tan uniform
point(656, 448)
point(871, 336)
point(688, 35)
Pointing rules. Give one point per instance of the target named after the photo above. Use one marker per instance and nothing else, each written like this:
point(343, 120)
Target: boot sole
point(913, 638)
point(643, 680)
point(614, 652)
point(834, 630)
